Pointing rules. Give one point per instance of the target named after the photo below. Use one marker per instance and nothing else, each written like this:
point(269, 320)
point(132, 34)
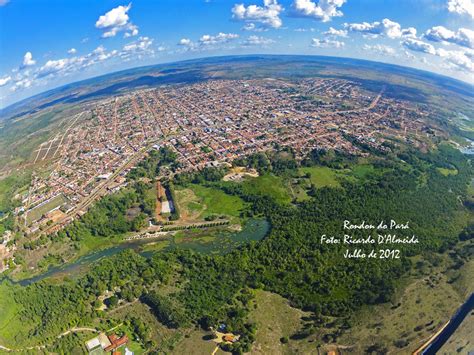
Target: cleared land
point(37, 212)
point(197, 202)
point(269, 185)
point(275, 319)
point(321, 176)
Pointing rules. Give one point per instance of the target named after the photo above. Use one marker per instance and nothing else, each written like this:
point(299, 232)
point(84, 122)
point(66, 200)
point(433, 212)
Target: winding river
point(253, 230)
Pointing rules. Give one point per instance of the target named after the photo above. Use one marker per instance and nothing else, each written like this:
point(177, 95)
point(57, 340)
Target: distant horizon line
point(2, 109)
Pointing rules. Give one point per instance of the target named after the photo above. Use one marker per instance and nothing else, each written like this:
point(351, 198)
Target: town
point(208, 124)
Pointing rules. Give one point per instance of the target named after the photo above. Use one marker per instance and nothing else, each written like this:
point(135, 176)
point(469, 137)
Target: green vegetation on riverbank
point(206, 290)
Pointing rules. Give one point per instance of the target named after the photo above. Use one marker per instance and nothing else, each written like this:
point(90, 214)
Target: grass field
point(275, 319)
point(321, 176)
point(269, 185)
point(37, 212)
point(197, 202)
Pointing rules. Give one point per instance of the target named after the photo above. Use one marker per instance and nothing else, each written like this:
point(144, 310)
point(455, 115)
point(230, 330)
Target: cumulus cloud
point(454, 59)
point(185, 42)
point(208, 41)
point(462, 37)
point(62, 67)
point(219, 38)
point(5, 80)
point(461, 7)
point(380, 49)
point(66, 66)
point(132, 31)
point(326, 43)
point(72, 51)
point(386, 28)
point(21, 84)
point(457, 59)
point(419, 46)
point(268, 14)
point(323, 11)
point(142, 44)
point(336, 33)
point(257, 41)
point(117, 20)
point(28, 60)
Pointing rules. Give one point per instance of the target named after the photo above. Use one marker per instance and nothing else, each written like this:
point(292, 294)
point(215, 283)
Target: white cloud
point(453, 59)
point(461, 7)
point(142, 45)
point(386, 28)
point(457, 59)
point(28, 60)
point(72, 51)
point(117, 20)
point(323, 11)
point(409, 55)
point(380, 49)
point(419, 46)
point(66, 66)
point(219, 38)
point(132, 31)
point(21, 84)
point(4, 2)
point(257, 41)
point(409, 32)
point(326, 43)
point(268, 14)
point(207, 42)
point(250, 26)
point(5, 80)
point(462, 37)
point(304, 29)
point(185, 42)
point(62, 67)
point(336, 33)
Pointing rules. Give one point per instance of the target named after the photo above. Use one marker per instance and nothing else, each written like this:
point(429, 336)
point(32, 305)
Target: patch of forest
point(290, 261)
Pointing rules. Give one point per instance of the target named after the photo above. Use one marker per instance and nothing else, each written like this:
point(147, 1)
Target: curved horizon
point(205, 58)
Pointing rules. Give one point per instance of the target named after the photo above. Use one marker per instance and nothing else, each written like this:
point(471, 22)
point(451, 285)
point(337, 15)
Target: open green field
point(269, 185)
point(321, 176)
point(198, 202)
point(37, 212)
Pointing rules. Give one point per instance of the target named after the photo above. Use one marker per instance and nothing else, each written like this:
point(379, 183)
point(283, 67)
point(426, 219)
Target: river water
point(253, 230)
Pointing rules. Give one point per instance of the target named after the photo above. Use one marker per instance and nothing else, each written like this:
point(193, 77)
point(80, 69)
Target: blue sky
point(48, 43)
